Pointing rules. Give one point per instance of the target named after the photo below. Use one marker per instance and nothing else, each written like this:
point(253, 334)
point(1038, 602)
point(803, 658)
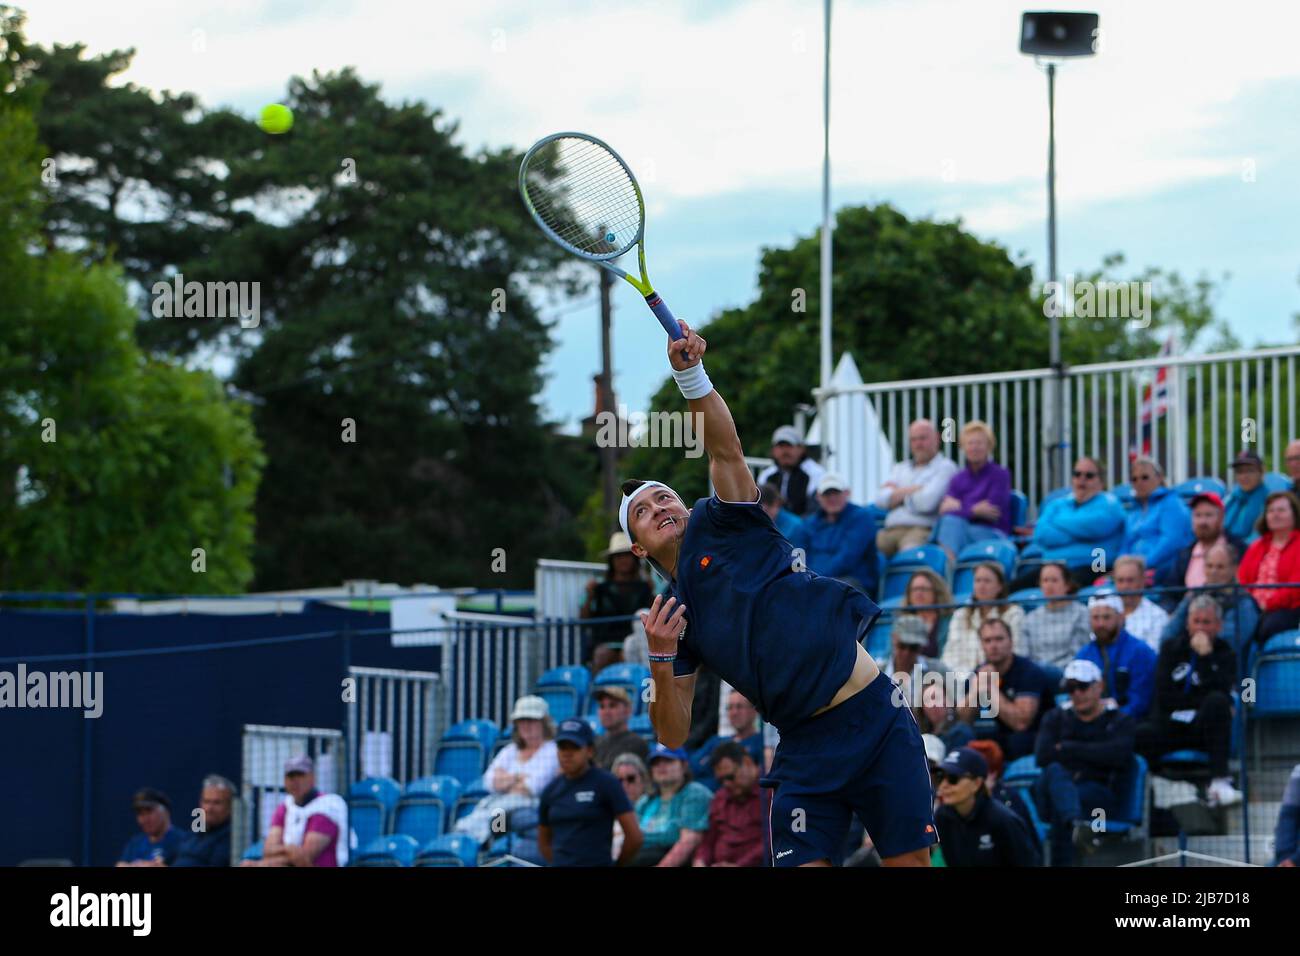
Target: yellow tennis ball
point(276, 118)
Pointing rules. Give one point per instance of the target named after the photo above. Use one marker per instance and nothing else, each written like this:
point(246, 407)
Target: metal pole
point(1058, 462)
point(609, 454)
point(826, 210)
point(87, 741)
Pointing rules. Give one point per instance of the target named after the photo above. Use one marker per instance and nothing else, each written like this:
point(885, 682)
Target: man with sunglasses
point(1083, 746)
point(1078, 528)
point(735, 833)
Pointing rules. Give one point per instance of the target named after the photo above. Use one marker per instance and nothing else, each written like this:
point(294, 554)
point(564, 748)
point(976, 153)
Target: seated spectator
point(1286, 839)
point(1127, 664)
point(770, 500)
point(624, 590)
point(742, 721)
point(962, 653)
point(924, 591)
point(1189, 563)
point(674, 815)
point(1292, 459)
point(1020, 691)
point(306, 828)
point(977, 506)
point(735, 833)
point(1083, 747)
point(578, 809)
point(908, 638)
point(158, 842)
point(1159, 526)
point(630, 771)
point(1078, 528)
point(913, 491)
point(794, 474)
point(839, 541)
point(1246, 500)
point(1009, 798)
point(636, 649)
point(1237, 609)
point(1274, 558)
point(974, 829)
point(520, 772)
point(1195, 677)
point(1143, 618)
point(210, 846)
point(615, 709)
point(1052, 633)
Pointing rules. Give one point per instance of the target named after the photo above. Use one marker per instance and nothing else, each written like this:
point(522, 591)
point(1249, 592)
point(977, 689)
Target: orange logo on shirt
point(929, 828)
point(704, 561)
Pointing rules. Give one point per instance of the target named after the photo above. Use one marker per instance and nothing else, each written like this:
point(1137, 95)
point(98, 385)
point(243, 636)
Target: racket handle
point(665, 316)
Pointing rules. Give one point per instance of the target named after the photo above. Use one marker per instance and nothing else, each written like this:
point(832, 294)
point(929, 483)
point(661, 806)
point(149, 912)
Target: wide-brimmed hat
point(619, 543)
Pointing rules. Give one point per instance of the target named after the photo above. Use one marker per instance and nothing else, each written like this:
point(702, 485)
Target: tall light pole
point(826, 207)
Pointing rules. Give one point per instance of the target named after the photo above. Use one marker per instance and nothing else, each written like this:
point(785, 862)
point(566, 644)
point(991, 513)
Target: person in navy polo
point(975, 829)
point(158, 841)
point(578, 808)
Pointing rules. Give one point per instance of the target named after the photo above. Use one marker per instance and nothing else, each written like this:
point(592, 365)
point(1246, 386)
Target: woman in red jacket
point(1274, 558)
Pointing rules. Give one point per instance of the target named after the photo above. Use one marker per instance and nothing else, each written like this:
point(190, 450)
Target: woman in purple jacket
point(978, 503)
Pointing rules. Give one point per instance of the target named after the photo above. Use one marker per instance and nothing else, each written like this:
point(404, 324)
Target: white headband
point(627, 500)
point(1111, 601)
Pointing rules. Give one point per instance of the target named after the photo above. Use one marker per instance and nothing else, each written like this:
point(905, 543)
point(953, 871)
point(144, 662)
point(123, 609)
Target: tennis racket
point(585, 198)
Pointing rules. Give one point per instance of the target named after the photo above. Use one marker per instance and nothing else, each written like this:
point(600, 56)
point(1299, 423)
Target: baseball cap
point(965, 762)
point(787, 434)
point(1085, 672)
point(832, 482)
point(1209, 496)
point(935, 750)
point(530, 707)
point(668, 753)
point(1247, 458)
point(299, 764)
point(618, 693)
point(575, 731)
point(148, 798)
point(910, 629)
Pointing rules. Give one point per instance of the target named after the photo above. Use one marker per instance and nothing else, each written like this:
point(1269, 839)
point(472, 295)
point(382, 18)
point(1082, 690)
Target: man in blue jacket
point(1246, 500)
point(1127, 665)
point(839, 541)
point(1079, 528)
point(1160, 525)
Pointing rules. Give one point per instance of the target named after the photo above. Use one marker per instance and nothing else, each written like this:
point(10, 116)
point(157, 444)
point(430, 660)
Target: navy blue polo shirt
point(786, 639)
point(211, 848)
point(139, 847)
point(581, 814)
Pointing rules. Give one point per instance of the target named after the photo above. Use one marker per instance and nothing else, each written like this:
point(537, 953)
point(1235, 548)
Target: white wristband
point(694, 381)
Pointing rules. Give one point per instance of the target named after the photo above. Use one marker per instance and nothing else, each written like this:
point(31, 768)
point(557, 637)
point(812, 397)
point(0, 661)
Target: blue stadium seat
point(515, 845)
point(1083, 594)
point(1185, 760)
point(425, 808)
point(1277, 677)
point(1276, 481)
point(503, 740)
point(465, 749)
point(1125, 495)
point(1028, 598)
point(1052, 496)
point(396, 849)
point(1195, 486)
point(1021, 772)
point(370, 805)
point(631, 677)
point(565, 690)
point(1129, 816)
point(467, 801)
point(1019, 508)
point(972, 556)
point(254, 852)
point(450, 849)
point(901, 566)
point(641, 725)
point(1041, 830)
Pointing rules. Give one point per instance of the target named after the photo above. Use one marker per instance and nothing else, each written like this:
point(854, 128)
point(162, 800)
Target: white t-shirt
point(539, 770)
point(1147, 622)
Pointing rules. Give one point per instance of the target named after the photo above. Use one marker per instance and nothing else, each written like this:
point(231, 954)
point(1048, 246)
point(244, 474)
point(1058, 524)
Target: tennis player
point(786, 638)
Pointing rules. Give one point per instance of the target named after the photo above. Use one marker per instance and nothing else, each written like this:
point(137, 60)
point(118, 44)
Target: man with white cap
point(788, 639)
point(792, 472)
point(840, 541)
point(1127, 664)
point(1083, 746)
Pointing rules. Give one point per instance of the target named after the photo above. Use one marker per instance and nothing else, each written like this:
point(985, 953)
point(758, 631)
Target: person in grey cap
point(908, 638)
point(792, 472)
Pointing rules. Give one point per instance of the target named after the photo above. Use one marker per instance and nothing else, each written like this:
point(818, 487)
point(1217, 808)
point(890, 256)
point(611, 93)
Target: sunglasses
point(630, 778)
point(952, 779)
point(1085, 474)
point(1072, 686)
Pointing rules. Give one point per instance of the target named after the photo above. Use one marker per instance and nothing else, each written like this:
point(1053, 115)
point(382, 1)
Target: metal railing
point(395, 720)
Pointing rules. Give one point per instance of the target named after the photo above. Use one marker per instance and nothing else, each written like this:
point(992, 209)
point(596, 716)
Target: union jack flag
point(1155, 404)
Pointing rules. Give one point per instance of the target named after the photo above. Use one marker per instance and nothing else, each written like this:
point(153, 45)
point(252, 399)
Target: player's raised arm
point(732, 479)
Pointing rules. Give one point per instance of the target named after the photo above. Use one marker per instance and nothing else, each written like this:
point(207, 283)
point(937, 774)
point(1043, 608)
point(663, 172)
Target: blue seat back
point(1028, 598)
point(978, 552)
point(641, 725)
point(254, 852)
point(1022, 771)
point(565, 690)
point(1019, 508)
point(370, 806)
point(450, 849)
point(1130, 791)
point(425, 808)
point(1277, 670)
point(899, 569)
point(465, 760)
point(631, 677)
point(479, 729)
point(396, 849)
point(467, 801)
point(1276, 481)
point(1196, 486)
point(1125, 495)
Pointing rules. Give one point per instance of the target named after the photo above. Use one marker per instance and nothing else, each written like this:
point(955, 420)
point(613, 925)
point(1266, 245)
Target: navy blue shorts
point(866, 757)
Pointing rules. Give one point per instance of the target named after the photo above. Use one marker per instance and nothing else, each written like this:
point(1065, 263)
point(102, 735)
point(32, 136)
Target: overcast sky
point(1177, 145)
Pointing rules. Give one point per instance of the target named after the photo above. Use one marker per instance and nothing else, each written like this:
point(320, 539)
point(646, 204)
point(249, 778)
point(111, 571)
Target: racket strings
point(585, 196)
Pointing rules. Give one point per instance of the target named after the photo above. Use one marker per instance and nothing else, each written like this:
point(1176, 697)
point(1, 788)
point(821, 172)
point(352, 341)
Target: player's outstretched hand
point(663, 623)
point(683, 353)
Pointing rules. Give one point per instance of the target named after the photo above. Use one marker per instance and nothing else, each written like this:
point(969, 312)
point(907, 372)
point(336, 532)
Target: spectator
point(518, 774)
point(1286, 839)
point(636, 649)
point(771, 501)
point(578, 809)
point(630, 771)
point(962, 653)
point(913, 491)
point(1078, 528)
point(735, 833)
point(158, 842)
point(306, 828)
point(1127, 664)
point(1292, 458)
point(1189, 564)
point(624, 590)
point(1018, 691)
point(927, 596)
point(674, 815)
point(1159, 526)
point(210, 846)
point(792, 471)
point(975, 830)
point(935, 751)
point(1052, 633)
point(1009, 798)
point(1237, 609)
point(1246, 500)
point(908, 638)
point(1082, 749)
point(1274, 558)
point(839, 542)
point(1195, 677)
point(742, 719)
point(615, 708)
point(1143, 618)
point(977, 506)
